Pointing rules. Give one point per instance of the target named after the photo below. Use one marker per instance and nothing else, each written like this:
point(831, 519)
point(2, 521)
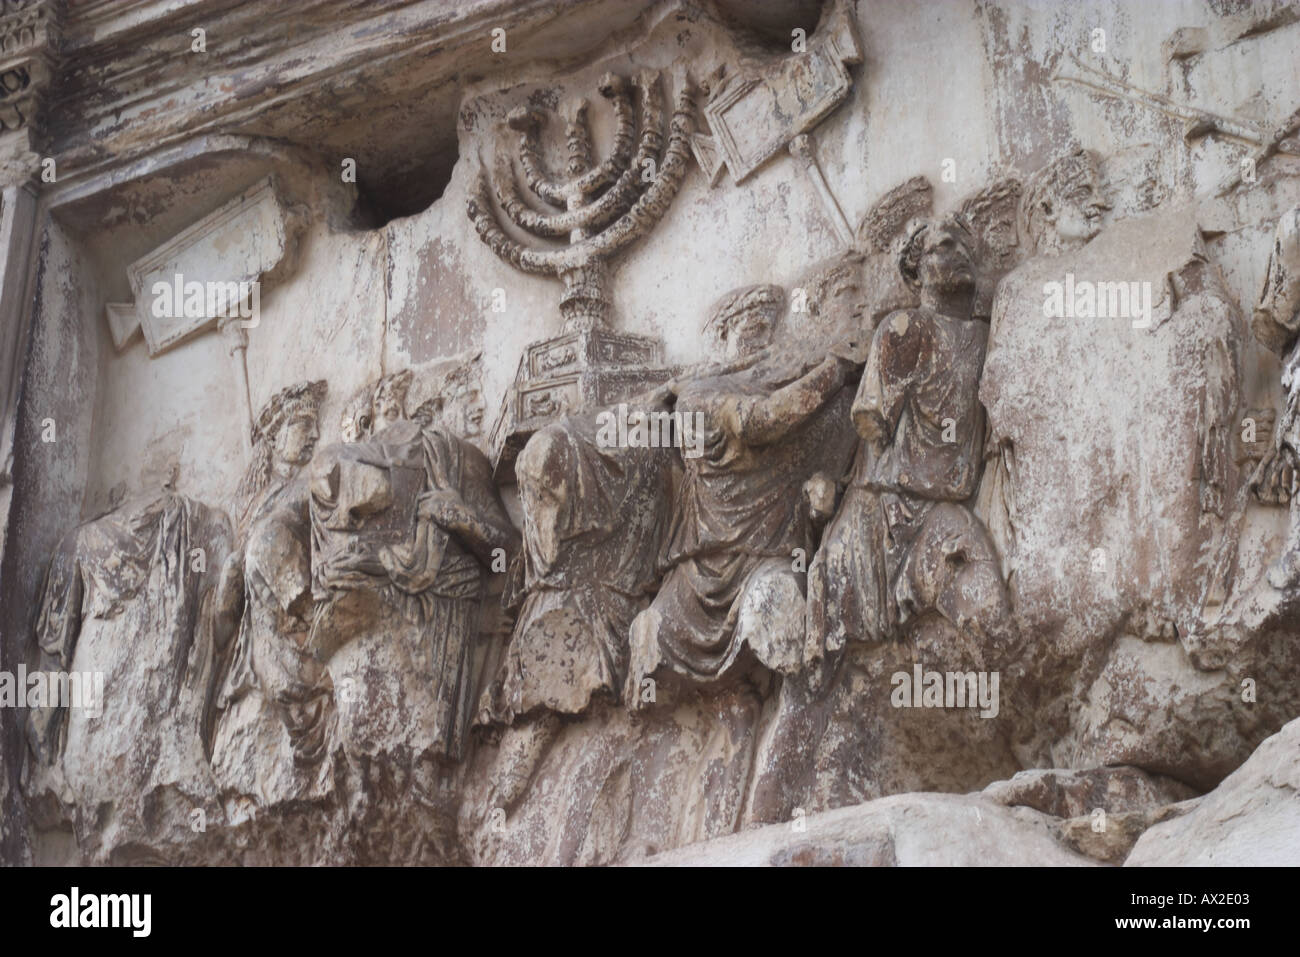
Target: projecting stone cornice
point(378, 82)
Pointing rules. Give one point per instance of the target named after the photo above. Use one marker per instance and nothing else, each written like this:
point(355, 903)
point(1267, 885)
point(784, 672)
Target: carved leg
point(770, 619)
point(523, 747)
point(786, 752)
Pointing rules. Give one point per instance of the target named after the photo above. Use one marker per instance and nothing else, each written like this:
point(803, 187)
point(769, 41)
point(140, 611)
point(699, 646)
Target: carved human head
point(390, 399)
point(287, 424)
point(357, 417)
point(296, 440)
point(1062, 205)
point(888, 218)
point(461, 400)
point(992, 213)
point(835, 294)
point(742, 321)
point(938, 258)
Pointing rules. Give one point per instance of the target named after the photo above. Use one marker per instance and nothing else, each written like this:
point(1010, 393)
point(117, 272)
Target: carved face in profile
point(741, 322)
point(464, 410)
point(992, 214)
point(296, 440)
point(841, 305)
point(1080, 207)
point(1062, 206)
point(1001, 240)
point(947, 261)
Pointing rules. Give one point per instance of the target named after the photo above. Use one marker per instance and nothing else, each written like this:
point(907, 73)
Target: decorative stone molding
point(29, 44)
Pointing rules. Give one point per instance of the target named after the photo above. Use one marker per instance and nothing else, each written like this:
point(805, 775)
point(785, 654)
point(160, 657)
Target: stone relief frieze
point(992, 493)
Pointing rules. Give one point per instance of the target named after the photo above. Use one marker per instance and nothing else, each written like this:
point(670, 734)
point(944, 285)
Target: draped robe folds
point(886, 556)
point(271, 649)
point(603, 512)
point(1276, 322)
point(846, 583)
point(126, 596)
point(740, 506)
point(1173, 442)
point(399, 660)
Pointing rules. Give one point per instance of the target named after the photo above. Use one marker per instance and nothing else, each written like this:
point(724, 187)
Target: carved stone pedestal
point(583, 369)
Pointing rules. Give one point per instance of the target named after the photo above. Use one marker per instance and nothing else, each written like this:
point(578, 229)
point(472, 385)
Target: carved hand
point(852, 351)
point(665, 395)
point(661, 396)
point(839, 367)
point(442, 507)
point(363, 562)
point(820, 492)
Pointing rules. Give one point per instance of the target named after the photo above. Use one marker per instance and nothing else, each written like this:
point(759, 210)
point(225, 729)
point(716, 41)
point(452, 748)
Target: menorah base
point(584, 304)
point(578, 371)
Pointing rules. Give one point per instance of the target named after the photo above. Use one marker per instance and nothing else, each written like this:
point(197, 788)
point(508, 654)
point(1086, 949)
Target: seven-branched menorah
point(599, 208)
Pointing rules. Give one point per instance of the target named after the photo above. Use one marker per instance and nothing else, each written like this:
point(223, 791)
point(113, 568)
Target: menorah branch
point(616, 89)
point(607, 207)
point(528, 121)
point(577, 140)
point(654, 202)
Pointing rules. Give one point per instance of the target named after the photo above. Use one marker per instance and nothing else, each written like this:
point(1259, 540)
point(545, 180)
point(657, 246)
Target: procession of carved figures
point(832, 493)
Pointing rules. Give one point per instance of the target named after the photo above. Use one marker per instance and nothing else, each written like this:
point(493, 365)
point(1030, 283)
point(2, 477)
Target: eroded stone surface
point(906, 830)
point(748, 424)
point(1252, 818)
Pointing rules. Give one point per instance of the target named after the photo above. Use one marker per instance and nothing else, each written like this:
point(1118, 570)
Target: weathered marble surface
point(906, 830)
point(439, 618)
point(1251, 819)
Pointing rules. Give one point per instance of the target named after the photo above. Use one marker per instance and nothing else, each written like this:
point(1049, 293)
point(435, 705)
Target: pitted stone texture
point(1251, 819)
